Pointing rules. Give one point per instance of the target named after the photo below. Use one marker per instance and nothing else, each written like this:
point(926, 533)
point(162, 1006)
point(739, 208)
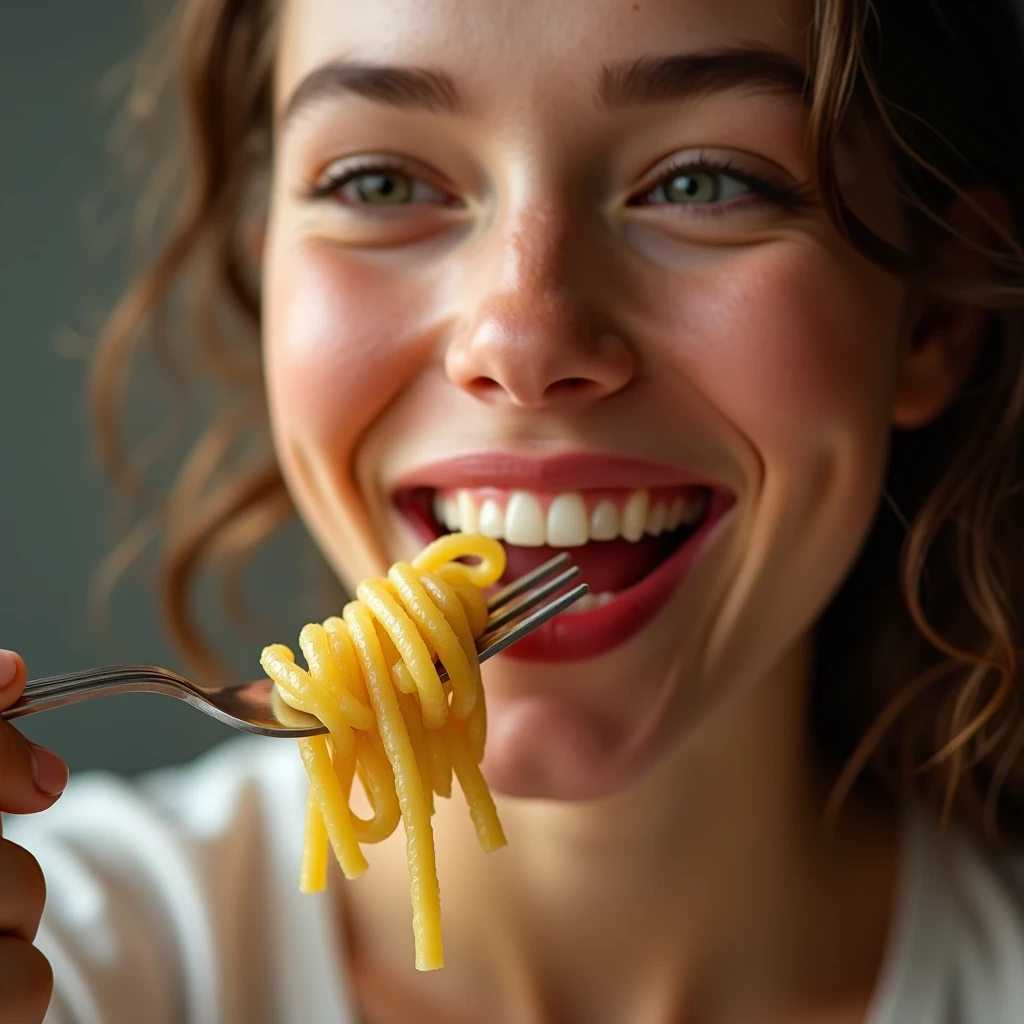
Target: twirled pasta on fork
point(372, 678)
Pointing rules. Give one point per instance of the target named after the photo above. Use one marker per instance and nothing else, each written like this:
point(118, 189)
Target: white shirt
point(174, 900)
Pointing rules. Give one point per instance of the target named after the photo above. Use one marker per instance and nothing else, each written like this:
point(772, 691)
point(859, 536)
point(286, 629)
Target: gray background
point(59, 208)
point(62, 207)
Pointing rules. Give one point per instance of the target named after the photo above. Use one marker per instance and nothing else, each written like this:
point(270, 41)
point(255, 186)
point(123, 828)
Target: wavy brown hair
point(917, 684)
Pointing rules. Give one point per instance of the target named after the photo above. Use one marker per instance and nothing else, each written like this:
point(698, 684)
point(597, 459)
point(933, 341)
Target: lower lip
point(578, 636)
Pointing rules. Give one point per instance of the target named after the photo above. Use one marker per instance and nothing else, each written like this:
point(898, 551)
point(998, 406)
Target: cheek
point(797, 350)
point(794, 349)
point(337, 349)
point(812, 348)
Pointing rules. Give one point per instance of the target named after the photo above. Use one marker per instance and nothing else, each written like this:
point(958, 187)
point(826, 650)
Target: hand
point(31, 779)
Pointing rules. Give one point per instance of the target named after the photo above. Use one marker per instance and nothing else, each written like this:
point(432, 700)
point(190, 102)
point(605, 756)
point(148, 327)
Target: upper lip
point(566, 471)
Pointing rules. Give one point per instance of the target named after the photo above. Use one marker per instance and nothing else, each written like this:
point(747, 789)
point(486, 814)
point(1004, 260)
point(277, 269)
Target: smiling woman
point(726, 301)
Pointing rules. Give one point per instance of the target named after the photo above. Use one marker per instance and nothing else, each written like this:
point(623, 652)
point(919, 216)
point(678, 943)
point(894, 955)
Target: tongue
point(610, 565)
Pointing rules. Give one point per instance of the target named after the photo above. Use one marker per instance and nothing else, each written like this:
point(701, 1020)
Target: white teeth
point(590, 601)
point(604, 523)
point(524, 520)
point(492, 520)
point(634, 515)
point(583, 604)
point(451, 513)
point(567, 521)
point(467, 513)
point(656, 520)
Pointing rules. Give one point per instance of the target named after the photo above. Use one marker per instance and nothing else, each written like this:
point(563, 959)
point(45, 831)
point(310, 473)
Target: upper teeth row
point(566, 524)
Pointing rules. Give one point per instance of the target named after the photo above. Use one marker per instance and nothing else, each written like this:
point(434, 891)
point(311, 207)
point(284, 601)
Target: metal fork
point(513, 612)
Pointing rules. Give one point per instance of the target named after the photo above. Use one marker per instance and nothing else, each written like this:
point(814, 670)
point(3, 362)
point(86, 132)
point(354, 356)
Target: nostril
point(570, 386)
point(485, 386)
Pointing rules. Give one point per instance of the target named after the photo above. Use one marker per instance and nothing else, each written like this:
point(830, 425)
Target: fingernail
point(8, 668)
point(48, 770)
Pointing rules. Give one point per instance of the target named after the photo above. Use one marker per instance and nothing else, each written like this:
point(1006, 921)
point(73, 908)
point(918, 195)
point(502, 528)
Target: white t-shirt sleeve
point(956, 948)
point(174, 900)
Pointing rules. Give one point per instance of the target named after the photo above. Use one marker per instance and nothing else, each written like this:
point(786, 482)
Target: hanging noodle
point(372, 680)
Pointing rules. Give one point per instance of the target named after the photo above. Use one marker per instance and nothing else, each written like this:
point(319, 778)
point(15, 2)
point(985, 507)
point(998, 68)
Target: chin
point(547, 745)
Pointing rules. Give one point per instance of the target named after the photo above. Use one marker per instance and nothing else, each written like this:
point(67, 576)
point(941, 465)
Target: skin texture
point(535, 297)
point(526, 301)
point(398, 338)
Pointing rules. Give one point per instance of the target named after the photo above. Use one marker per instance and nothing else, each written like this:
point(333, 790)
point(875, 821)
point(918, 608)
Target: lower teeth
point(590, 601)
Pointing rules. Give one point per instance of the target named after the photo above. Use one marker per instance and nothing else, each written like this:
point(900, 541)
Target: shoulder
point(987, 890)
point(161, 890)
point(957, 949)
point(207, 815)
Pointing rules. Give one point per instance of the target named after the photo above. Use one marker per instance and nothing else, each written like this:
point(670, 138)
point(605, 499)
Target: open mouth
point(632, 545)
point(616, 537)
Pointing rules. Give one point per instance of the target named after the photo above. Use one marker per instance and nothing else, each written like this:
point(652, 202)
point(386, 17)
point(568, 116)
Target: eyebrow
point(632, 83)
point(682, 76)
point(422, 88)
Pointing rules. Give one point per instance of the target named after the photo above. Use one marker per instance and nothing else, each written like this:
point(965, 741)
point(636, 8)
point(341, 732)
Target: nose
point(537, 331)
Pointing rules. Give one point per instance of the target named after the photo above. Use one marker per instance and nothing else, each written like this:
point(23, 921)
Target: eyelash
point(785, 197)
point(326, 187)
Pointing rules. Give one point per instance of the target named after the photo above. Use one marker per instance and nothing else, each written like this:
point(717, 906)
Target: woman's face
point(556, 271)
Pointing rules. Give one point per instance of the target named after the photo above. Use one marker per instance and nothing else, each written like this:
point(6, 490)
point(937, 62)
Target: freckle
point(636, 7)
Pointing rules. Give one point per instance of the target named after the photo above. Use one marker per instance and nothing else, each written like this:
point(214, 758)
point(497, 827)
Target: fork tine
point(523, 583)
point(496, 640)
point(531, 622)
point(530, 600)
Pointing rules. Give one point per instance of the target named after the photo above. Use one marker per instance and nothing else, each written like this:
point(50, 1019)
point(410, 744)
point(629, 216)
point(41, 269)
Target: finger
point(26, 982)
point(31, 777)
point(12, 678)
point(22, 892)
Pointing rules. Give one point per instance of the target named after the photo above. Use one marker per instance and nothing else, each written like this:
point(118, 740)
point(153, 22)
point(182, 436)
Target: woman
point(544, 269)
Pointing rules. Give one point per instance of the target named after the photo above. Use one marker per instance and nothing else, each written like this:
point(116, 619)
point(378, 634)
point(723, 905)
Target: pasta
point(371, 678)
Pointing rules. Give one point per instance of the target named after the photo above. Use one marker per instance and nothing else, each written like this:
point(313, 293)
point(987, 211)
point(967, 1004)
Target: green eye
point(700, 187)
point(383, 188)
point(375, 185)
point(697, 188)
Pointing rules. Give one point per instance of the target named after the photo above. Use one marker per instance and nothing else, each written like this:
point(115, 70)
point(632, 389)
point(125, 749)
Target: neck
point(707, 889)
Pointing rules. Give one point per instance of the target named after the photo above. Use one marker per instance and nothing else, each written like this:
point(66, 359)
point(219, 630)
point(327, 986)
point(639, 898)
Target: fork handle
point(73, 687)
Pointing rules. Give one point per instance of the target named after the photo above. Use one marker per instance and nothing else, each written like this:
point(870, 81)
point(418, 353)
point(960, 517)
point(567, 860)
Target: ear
point(945, 335)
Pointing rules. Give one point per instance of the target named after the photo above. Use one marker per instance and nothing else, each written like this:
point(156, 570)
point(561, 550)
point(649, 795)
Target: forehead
point(530, 47)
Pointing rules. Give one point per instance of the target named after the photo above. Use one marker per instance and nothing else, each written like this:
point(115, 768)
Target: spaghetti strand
point(371, 678)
